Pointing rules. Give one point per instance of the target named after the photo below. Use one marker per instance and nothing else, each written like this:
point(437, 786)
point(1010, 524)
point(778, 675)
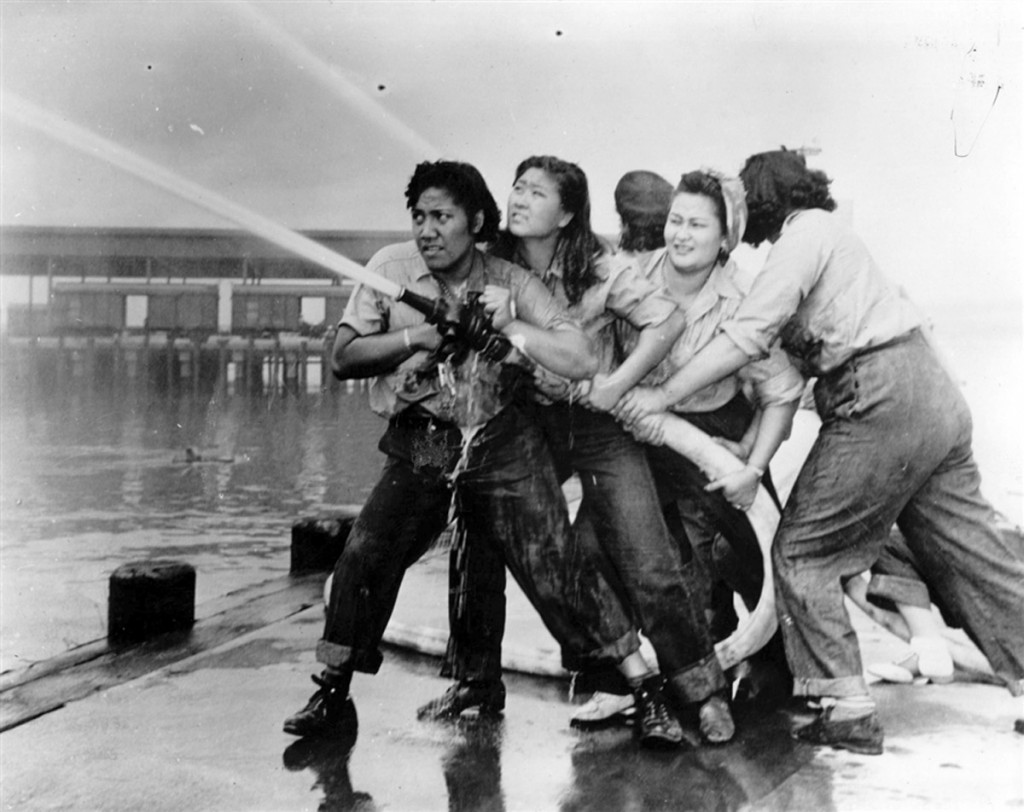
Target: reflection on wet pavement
point(327, 759)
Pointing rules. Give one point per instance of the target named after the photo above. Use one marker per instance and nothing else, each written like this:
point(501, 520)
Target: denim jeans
point(508, 496)
point(896, 577)
point(627, 569)
point(894, 447)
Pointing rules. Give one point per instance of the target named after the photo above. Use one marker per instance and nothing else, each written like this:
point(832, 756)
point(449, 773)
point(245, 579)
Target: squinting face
point(535, 206)
point(442, 231)
point(693, 233)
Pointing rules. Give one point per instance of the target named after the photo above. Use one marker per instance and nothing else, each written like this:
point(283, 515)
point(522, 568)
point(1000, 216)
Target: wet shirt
point(468, 393)
point(771, 380)
point(822, 294)
point(621, 293)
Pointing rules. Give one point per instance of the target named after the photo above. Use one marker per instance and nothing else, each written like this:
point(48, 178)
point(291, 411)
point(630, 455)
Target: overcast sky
point(315, 113)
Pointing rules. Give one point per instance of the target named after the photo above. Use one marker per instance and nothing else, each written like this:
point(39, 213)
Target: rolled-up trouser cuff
point(339, 656)
point(614, 652)
point(697, 682)
point(888, 590)
point(836, 687)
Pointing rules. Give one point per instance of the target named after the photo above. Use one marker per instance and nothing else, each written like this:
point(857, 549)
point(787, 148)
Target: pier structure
point(175, 309)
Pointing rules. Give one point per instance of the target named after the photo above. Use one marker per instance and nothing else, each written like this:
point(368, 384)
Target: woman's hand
point(638, 403)
point(739, 488)
point(497, 303)
point(599, 394)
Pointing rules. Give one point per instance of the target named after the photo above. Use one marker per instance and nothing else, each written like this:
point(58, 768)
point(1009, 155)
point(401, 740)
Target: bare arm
point(563, 349)
point(356, 356)
point(652, 346)
point(719, 358)
point(773, 428)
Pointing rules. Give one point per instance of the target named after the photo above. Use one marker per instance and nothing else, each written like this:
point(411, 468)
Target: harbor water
point(95, 476)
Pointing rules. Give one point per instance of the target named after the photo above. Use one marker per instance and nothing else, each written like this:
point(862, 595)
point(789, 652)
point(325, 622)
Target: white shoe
point(933, 659)
point(893, 672)
point(602, 707)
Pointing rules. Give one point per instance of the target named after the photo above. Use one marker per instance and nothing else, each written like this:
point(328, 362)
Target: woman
point(549, 233)
point(707, 216)
point(894, 447)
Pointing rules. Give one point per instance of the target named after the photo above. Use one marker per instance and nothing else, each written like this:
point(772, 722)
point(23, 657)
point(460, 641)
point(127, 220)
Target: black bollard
point(317, 542)
point(148, 598)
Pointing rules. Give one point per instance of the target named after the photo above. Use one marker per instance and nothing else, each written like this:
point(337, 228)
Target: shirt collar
point(719, 285)
point(477, 275)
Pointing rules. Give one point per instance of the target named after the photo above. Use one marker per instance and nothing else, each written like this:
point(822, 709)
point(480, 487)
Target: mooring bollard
point(317, 542)
point(149, 598)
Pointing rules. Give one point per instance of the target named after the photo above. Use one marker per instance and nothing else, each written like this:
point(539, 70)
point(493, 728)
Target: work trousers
point(894, 447)
point(507, 496)
point(628, 570)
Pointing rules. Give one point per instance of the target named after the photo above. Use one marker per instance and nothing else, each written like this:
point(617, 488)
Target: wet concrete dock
point(195, 723)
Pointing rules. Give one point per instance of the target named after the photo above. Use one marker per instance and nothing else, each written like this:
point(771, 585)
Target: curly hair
point(578, 246)
point(467, 188)
point(779, 183)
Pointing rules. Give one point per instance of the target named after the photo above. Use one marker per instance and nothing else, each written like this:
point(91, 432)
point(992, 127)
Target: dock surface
point(195, 723)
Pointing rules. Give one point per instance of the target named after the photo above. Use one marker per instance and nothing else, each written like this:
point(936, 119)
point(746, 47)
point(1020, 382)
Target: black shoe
point(862, 735)
point(716, 724)
point(488, 696)
point(657, 726)
point(329, 712)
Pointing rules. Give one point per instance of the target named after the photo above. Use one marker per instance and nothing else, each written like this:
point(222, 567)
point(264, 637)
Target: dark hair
point(706, 185)
point(645, 237)
point(777, 184)
point(642, 200)
point(578, 246)
point(467, 189)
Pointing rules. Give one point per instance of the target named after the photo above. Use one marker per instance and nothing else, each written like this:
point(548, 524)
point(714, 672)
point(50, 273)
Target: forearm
point(773, 429)
point(565, 351)
point(653, 344)
point(356, 356)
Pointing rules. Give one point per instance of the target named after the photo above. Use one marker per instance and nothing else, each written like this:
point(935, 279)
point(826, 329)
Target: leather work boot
point(862, 735)
point(488, 697)
point(716, 724)
point(329, 712)
point(657, 726)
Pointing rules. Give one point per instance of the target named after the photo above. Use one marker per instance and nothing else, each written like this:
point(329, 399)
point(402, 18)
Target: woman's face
point(693, 233)
point(535, 206)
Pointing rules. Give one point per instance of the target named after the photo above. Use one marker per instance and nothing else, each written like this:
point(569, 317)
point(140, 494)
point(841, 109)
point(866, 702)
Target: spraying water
point(89, 143)
point(353, 96)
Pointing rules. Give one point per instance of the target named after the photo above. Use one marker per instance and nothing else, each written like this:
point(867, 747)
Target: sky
point(314, 114)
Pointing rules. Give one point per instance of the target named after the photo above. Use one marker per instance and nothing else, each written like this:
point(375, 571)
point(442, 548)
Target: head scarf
point(643, 198)
point(735, 197)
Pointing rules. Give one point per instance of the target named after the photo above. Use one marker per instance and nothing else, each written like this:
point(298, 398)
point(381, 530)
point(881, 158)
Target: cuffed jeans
point(508, 497)
point(894, 447)
point(627, 569)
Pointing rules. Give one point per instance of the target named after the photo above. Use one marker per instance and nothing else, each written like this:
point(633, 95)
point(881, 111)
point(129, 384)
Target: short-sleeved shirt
point(822, 294)
point(621, 294)
point(771, 380)
point(469, 393)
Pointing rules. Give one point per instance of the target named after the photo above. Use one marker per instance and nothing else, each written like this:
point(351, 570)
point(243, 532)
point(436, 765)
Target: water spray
point(467, 322)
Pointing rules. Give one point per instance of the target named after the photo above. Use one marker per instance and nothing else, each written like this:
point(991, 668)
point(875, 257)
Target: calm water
point(90, 481)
